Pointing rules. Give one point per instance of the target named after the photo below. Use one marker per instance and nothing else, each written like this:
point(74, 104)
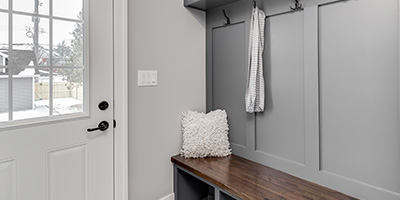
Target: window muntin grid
point(42, 58)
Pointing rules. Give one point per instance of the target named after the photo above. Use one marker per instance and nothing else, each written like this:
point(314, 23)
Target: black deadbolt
point(103, 105)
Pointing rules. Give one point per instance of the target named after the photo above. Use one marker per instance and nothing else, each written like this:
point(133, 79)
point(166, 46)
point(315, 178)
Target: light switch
point(147, 78)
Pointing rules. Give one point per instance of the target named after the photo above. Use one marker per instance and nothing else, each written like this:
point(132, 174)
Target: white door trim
point(121, 99)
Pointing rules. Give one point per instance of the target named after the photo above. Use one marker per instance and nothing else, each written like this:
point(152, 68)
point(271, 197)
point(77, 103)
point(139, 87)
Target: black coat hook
point(297, 6)
point(254, 4)
point(228, 21)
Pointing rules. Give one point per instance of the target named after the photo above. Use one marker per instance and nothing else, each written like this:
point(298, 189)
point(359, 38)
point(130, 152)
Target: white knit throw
point(254, 97)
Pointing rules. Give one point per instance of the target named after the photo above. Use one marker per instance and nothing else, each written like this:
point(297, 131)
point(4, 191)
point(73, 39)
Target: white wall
point(163, 36)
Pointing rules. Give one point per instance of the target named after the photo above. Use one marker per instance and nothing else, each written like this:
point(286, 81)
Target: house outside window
point(42, 59)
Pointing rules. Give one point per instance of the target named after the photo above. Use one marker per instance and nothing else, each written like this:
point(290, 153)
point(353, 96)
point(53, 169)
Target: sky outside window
point(74, 7)
point(23, 24)
point(3, 4)
point(29, 6)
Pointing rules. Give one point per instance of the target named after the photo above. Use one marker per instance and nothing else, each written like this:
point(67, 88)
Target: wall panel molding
point(61, 184)
point(359, 86)
point(311, 88)
point(8, 177)
point(229, 57)
point(280, 129)
point(398, 62)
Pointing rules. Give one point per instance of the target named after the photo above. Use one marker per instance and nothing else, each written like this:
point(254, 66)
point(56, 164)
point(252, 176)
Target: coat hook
point(297, 6)
point(228, 21)
point(254, 4)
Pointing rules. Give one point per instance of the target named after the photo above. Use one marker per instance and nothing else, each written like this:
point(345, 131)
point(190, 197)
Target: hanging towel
point(254, 97)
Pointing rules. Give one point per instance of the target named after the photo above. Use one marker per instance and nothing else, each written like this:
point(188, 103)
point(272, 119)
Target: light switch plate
point(147, 78)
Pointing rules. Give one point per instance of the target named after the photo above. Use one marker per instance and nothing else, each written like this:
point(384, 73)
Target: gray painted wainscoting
point(332, 91)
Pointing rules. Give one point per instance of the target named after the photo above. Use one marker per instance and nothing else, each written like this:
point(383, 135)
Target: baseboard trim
point(169, 197)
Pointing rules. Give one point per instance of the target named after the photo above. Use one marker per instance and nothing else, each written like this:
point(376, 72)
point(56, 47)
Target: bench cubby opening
point(191, 187)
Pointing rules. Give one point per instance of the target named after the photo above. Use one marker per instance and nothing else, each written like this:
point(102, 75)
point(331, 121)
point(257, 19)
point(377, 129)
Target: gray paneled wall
point(332, 91)
point(359, 91)
point(229, 76)
point(281, 126)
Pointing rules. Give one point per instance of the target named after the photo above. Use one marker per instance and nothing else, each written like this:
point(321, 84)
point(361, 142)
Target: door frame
point(121, 99)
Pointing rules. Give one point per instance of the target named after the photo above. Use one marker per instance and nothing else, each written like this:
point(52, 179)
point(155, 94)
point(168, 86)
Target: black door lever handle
point(102, 127)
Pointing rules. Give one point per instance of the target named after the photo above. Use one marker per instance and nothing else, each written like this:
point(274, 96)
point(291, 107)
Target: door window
point(42, 59)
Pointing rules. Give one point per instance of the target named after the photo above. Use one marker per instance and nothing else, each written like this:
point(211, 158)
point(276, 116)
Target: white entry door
point(52, 156)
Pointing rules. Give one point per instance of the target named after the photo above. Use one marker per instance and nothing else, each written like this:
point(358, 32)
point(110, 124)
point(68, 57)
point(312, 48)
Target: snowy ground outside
point(41, 109)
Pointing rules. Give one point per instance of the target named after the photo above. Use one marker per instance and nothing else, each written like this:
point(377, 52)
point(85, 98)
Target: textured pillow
point(205, 134)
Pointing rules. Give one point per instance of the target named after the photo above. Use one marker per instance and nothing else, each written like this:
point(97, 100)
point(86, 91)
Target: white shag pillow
point(205, 134)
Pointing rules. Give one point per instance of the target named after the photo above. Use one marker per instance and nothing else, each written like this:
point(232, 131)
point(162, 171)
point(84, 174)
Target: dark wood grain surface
point(252, 181)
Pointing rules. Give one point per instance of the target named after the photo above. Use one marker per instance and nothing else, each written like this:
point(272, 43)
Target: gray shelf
point(207, 4)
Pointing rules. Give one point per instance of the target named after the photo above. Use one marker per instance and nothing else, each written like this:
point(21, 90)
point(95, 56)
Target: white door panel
point(61, 160)
point(8, 179)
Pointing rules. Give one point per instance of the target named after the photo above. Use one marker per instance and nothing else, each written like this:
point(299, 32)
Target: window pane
point(30, 99)
point(28, 49)
point(3, 95)
point(3, 39)
point(68, 43)
point(4, 4)
point(67, 9)
point(68, 91)
point(32, 6)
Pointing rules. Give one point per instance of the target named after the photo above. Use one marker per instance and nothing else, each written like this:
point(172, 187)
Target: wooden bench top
point(249, 180)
